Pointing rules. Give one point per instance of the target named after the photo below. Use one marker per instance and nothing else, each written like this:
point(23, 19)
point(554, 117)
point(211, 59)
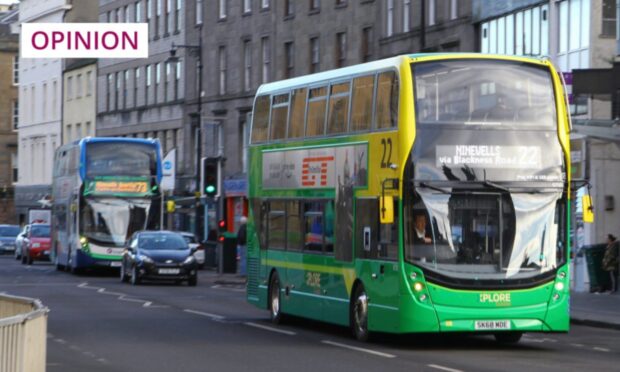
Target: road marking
point(271, 329)
point(85, 285)
point(103, 291)
point(345, 346)
point(60, 341)
point(208, 315)
point(577, 345)
point(601, 349)
point(437, 366)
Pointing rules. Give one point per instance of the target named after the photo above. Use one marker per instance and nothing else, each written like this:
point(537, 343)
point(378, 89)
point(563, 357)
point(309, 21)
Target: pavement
point(591, 309)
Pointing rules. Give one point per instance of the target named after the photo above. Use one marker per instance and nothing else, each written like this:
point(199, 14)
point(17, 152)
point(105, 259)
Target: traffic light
point(222, 227)
point(210, 177)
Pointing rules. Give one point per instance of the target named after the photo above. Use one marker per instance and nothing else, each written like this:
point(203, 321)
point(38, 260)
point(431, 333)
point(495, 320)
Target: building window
point(138, 14)
point(88, 129)
point(341, 48)
point(177, 80)
point(431, 12)
point(55, 93)
point(15, 115)
point(167, 80)
point(147, 84)
point(119, 16)
point(406, 15)
point(315, 5)
point(149, 11)
point(157, 17)
point(136, 78)
point(15, 70)
point(247, 65)
point(69, 88)
point(109, 93)
point(78, 86)
point(389, 24)
point(525, 32)
point(109, 17)
point(314, 54)
point(609, 18)
point(44, 103)
point(247, 6)
point(266, 52)
point(454, 10)
point(167, 18)
point(117, 90)
point(289, 8)
point(264, 4)
point(366, 44)
point(199, 12)
point(127, 18)
point(222, 9)
point(125, 87)
point(157, 80)
point(177, 16)
point(341, 3)
point(14, 165)
point(289, 59)
point(89, 83)
point(222, 68)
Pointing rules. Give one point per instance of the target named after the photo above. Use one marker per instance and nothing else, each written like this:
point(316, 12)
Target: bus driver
point(420, 236)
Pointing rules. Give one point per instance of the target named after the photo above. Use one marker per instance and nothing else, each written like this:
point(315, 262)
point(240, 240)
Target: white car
point(192, 241)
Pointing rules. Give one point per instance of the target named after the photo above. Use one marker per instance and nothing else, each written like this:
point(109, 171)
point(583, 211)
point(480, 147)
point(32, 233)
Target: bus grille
point(252, 276)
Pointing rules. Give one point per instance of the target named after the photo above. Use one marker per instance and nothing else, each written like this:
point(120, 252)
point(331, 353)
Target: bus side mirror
point(588, 210)
point(386, 209)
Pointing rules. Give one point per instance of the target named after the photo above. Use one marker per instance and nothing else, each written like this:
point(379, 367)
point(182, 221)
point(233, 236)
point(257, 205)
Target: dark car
point(37, 244)
point(8, 234)
point(157, 255)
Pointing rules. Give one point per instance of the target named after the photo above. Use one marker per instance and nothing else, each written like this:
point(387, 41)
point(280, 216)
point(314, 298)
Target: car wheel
point(135, 276)
point(124, 278)
point(508, 337)
point(192, 281)
point(274, 299)
point(359, 314)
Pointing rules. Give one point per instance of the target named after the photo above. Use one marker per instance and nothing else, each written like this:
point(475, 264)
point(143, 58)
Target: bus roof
point(382, 64)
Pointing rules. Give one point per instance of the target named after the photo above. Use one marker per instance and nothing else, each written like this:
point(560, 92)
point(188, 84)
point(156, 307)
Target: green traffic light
point(209, 189)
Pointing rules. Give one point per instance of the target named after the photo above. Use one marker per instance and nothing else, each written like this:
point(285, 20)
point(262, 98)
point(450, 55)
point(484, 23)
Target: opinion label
point(84, 40)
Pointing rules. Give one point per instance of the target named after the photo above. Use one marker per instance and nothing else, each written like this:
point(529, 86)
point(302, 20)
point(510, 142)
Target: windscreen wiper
point(426, 185)
point(495, 186)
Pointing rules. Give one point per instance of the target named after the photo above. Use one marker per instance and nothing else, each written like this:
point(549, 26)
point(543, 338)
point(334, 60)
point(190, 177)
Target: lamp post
point(196, 51)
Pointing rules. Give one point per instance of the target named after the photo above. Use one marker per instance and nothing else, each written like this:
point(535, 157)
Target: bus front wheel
point(508, 337)
point(359, 314)
point(274, 299)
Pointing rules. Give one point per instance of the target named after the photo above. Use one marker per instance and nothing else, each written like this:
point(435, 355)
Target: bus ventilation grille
point(252, 277)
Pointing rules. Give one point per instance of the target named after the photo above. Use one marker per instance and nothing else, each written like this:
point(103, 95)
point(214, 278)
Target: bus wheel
point(359, 314)
point(508, 337)
point(274, 299)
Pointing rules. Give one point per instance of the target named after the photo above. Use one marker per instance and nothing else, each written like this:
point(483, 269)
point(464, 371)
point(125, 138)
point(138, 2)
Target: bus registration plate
point(169, 271)
point(483, 325)
point(115, 264)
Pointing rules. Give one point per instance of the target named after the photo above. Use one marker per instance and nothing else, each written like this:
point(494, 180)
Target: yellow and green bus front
point(447, 211)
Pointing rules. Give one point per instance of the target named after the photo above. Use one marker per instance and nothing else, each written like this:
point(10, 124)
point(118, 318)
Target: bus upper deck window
point(261, 119)
point(315, 125)
point(386, 109)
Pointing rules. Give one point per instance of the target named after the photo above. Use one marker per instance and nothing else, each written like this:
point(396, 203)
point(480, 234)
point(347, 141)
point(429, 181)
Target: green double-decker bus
point(420, 193)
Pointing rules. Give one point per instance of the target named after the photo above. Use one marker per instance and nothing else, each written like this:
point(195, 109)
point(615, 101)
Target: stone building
point(9, 115)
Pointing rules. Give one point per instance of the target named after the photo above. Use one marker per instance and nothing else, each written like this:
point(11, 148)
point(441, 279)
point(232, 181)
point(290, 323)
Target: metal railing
point(23, 334)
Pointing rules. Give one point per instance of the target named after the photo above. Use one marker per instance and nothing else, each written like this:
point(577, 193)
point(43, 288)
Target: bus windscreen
point(120, 159)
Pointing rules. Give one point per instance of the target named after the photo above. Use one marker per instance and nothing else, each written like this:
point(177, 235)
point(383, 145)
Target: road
point(97, 323)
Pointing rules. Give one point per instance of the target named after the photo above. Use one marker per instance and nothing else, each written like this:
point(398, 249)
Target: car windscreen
point(40, 231)
point(10, 231)
point(190, 239)
point(161, 242)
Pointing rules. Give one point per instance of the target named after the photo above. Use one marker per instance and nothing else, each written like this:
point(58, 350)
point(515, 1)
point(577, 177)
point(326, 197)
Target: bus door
point(377, 246)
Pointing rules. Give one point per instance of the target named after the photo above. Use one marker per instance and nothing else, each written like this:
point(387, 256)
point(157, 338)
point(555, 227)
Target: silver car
point(192, 241)
point(8, 233)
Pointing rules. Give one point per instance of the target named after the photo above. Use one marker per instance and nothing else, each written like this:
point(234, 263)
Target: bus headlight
point(83, 241)
point(559, 286)
point(418, 286)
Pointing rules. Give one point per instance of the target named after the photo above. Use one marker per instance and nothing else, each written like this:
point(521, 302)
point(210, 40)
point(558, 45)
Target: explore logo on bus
point(496, 298)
